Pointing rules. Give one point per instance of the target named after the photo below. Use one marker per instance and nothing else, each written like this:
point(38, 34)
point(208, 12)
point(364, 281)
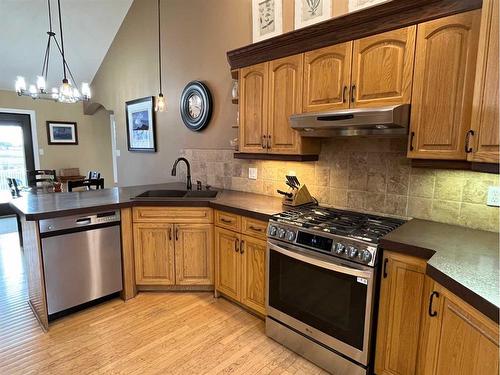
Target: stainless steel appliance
point(381, 121)
point(321, 282)
point(81, 258)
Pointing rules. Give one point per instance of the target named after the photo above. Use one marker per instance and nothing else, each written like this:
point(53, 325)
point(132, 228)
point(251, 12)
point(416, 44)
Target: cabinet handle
point(170, 234)
point(264, 145)
point(242, 250)
point(236, 245)
point(468, 149)
point(412, 135)
point(353, 93)
point(269, 142)
point(386, 260)
point(225, 220)
point(255, 228)
point(344, 92)
point(177, 234)
point(432, 313)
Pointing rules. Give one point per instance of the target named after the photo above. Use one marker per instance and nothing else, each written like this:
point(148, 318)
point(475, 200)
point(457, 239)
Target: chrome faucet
point(189, 185)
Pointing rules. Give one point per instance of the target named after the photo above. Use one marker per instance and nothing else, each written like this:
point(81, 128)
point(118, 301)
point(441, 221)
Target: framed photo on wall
point(360, 4)
point(62, 133)
point(309, 12)
point(141, 125)
point(267, 19)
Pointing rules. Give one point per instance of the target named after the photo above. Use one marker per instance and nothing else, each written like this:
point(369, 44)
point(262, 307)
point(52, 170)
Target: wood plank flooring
point(155, 333)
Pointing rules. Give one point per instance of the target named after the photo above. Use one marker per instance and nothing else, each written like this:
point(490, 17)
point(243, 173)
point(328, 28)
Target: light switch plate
point(252, 173)
point(40, 151)
point(118, 153)
point(493, 196)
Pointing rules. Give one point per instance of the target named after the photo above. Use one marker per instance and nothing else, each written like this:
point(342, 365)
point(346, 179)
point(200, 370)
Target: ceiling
point(89, 27)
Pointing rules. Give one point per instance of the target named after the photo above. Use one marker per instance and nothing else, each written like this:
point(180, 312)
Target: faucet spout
point(189, 185)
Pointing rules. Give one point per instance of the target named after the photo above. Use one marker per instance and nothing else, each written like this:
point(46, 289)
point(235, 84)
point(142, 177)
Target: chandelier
point(67, 92)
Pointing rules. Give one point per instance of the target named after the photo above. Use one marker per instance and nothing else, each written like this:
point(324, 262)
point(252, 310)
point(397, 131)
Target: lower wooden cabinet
point(240, 263)
point(457, 339)
point(400, 310)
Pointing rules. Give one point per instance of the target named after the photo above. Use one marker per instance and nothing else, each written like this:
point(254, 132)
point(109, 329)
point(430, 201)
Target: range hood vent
point(382, 121)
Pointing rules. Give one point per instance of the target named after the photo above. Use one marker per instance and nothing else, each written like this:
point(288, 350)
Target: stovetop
point(364, 227)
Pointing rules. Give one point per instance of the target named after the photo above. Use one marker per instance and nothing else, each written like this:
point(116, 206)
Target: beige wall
point(93, 151)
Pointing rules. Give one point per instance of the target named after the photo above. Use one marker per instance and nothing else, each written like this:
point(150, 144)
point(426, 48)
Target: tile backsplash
point(363, 174)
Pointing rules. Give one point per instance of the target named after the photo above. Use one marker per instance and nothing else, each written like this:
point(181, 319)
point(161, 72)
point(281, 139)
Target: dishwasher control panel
point(78, 221)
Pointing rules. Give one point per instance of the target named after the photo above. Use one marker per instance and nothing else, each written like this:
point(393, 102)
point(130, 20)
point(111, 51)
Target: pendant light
point(160, 105)
point(67, 92)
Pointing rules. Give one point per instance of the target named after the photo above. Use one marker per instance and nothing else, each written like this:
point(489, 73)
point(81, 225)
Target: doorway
point(16, 148)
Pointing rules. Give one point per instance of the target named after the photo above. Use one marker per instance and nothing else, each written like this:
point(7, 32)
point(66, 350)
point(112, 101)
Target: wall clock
point(196, 105)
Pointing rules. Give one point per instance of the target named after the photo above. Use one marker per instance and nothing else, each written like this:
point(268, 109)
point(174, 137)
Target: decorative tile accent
point(366, 174)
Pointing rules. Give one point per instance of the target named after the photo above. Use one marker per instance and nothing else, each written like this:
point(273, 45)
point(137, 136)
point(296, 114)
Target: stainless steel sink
point(176, 194)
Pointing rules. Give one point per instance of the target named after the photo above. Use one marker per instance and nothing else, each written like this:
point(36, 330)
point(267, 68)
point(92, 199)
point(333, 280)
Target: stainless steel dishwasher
point(81, 258)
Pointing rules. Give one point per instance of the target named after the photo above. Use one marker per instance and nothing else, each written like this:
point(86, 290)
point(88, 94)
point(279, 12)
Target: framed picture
point(62, 133)
point(360, 4)
point(308, 12)
point(141, 126)
point(267, 17)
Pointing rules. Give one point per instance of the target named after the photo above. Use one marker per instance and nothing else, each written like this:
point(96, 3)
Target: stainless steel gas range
point(321, 278)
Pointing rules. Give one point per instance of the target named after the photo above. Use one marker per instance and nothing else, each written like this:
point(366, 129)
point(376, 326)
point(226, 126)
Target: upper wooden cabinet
point(485, 138)
point(456, 339)
point(382, 68)
point(254, 90)
point(400, 311)
point(327, 78)
point(445, 65)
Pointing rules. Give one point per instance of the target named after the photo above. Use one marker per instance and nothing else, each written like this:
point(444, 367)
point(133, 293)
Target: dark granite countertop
point(48, 205)
point(465, 261)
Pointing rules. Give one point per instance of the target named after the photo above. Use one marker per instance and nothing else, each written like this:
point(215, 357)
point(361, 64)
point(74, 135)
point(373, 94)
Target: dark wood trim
point(378, 19)
point(50, 142)
point(277, 157)
point(456, 164)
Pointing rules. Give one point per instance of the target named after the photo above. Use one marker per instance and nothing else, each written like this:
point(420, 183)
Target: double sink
point(176, 194)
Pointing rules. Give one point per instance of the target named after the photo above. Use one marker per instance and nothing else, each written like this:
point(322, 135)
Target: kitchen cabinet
point(445, 65)
point(456, 339)
point(173, 246)
point(154, 254)
point(400, 311)
point(240, 261)
point(194, 254)
point(484, 127)
point(327, 78)
point(382, 68)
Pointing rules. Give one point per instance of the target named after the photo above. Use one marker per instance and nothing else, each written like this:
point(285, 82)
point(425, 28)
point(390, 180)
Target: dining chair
point(94, 184)
point(94, 175)
point(40, 176)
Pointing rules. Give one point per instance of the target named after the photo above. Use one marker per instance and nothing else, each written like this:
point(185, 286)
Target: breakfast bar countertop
point(44, 206)
point(464, 260)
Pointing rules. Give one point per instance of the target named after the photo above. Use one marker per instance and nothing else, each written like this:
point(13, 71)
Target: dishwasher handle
point(84, 221)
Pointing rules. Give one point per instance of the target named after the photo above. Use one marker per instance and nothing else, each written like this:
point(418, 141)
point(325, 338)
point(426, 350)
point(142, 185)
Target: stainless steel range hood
point(382, 121)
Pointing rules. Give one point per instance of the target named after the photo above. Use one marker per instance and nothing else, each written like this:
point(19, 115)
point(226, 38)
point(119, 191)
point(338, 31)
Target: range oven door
point(326, 299)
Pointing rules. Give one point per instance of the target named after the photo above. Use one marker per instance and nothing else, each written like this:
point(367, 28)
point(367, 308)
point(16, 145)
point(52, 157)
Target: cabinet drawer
point(228, 220)
point(173, 214)
point(254, 228)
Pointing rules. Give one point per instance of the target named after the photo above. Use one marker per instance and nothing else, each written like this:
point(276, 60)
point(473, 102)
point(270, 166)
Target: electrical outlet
point(493, 196)
point(252, 173)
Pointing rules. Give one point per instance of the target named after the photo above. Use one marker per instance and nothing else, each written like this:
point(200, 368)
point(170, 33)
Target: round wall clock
point(196, 105)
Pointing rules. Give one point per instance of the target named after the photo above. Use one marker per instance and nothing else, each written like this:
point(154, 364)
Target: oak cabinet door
point(253, 285)
point(445, 65)
point(154, 254)
point(253, 103)
point(485, 147)
point(285, 99)
point(227, 262)
point(458, 339)
point(327, 78)
point(402, 291)
point(194, 259)
point(382, 68)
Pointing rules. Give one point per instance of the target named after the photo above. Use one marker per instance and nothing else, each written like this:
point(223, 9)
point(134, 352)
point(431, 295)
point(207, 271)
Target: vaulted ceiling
point(89, 27)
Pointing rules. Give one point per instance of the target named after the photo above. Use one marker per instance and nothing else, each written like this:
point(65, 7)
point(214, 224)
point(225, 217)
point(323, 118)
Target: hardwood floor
point(155, 333)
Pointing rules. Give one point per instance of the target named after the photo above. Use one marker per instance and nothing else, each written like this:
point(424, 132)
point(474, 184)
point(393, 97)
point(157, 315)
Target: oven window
point(329, 301)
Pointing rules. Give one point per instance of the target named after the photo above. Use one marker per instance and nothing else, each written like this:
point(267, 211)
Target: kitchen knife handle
point(433, 294)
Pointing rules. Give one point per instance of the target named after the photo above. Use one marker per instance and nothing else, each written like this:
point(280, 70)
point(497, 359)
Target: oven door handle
point(294, 252)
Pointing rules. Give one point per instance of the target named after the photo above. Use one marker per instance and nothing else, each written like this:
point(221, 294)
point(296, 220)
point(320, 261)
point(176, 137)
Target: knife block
point(299, 198)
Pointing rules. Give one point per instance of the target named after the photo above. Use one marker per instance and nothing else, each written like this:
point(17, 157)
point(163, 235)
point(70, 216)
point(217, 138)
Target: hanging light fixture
point(67, 92)
point(160, 105)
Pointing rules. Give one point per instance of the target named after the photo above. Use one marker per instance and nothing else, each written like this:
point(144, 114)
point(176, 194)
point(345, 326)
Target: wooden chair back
point(87, 183)
point(41, 175)
point(94, 175)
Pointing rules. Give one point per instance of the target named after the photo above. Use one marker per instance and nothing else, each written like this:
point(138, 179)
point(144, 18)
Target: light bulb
point(66, 92)
point(40, 83)
point(33, 91)
point(20, 85)
point(160, 103)
point(86, 91)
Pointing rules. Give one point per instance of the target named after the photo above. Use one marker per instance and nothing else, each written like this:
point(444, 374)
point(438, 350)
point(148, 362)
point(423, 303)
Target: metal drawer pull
point(344, 92)
point(177, 234)
point(236, 246)
point(255, 228)
point(264, 145)
point(269, 144)
point(432, 313)
point(242, 250)
point(353, 93)
point(468, 149)
point(225, 220)
point(170, 234)
point(386, 260)
point(412, 135)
